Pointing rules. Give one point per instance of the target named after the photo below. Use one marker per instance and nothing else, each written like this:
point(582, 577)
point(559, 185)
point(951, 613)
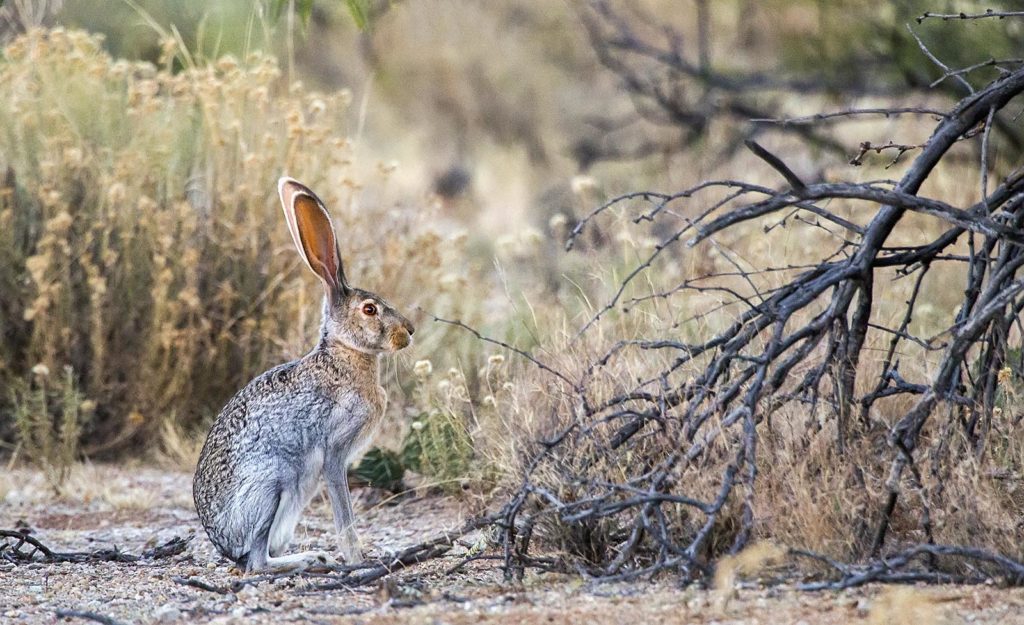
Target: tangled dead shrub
point(836, 395)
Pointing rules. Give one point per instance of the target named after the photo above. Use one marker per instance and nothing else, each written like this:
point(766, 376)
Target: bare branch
point(12, 549)
point(794, 181)
point(848, 114)
point(515, 350)
point(945, 68)
point(988, 14)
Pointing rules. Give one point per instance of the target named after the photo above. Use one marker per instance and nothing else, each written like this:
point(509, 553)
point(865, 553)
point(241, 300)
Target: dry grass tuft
point(906, 605)
point(750, 561)
point(178, 450)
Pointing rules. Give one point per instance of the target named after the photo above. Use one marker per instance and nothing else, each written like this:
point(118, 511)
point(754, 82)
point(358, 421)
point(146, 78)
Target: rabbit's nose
point(408, 328)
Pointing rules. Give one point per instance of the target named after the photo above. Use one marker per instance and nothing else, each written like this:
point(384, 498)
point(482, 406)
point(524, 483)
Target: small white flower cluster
point(423, 368)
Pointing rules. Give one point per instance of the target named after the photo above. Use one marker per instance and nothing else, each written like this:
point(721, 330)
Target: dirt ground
point(137, 508)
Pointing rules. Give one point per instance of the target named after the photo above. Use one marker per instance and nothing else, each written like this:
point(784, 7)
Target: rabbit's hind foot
point(312, 561)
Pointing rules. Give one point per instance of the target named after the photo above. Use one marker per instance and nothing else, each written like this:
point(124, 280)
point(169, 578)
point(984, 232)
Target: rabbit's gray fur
point(269, 446)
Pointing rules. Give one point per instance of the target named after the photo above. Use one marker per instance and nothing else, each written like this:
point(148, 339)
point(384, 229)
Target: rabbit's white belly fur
point(363, 439)
point(309, 479)
point(354, 425)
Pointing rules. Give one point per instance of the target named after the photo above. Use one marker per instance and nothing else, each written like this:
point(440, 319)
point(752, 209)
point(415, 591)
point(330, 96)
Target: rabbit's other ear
point(313, 233)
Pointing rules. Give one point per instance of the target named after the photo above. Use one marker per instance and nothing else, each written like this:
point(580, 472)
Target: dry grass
point(906, 606)
point(145, 250)
point(749, 562)
point(177, 449)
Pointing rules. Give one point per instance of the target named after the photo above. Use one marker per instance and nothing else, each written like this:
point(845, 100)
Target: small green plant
point(49, 417)
point(359, 10)
point(380, 468)
point(439, 446)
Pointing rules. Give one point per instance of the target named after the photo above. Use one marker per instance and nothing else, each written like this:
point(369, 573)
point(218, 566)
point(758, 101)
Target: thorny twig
point(867, 146)
point(947, 72)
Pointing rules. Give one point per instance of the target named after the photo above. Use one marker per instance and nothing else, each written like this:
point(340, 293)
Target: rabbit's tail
point(245, 545)
point(240, 556)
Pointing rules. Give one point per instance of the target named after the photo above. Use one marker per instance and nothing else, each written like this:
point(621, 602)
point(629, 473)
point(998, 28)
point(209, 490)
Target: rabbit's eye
point(369, 309)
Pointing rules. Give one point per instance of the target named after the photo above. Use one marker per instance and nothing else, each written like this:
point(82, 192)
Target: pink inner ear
point(317, 237)
point(323, 266)
point(311, 230)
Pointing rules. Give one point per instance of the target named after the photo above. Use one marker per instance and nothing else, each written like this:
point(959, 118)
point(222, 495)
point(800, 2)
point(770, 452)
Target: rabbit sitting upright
point(268, 447)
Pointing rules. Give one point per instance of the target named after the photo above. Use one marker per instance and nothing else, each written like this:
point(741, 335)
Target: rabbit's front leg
point(336, 475)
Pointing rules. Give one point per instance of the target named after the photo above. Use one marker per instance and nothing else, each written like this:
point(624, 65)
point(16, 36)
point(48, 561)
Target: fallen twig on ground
point(349, 576)
point(19, 547)
point(367, 572)
point(89, 616)
point(903, 567)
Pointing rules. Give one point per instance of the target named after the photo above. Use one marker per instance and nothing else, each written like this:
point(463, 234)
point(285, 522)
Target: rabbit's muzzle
point(401, 336)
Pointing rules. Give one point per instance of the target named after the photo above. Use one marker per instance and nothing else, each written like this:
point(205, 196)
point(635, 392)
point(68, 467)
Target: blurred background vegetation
point(146, 273)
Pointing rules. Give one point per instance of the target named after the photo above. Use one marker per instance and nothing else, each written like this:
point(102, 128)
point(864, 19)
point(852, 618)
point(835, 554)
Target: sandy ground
point(138, 508)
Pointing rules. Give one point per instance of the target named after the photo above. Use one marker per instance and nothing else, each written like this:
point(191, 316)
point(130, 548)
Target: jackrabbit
point(268, 447)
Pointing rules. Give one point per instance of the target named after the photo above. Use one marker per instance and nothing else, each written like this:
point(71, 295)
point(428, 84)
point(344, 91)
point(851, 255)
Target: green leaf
point(438, 446)
point(305, 9)
point(360, 11)
point(277, 8)
point(412, 451)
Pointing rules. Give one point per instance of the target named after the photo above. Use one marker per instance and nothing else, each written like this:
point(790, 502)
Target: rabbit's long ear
point(313, 233)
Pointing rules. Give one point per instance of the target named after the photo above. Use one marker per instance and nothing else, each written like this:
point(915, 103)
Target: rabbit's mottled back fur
point(269, 446)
